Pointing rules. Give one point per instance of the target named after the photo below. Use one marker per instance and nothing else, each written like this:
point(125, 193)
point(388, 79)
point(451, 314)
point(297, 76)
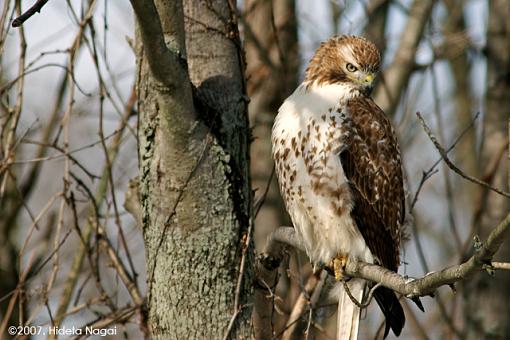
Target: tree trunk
point(194, 182)
point(487, 310)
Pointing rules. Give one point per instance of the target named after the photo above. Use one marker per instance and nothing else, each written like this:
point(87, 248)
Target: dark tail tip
point(418, 303)
point(392, 310)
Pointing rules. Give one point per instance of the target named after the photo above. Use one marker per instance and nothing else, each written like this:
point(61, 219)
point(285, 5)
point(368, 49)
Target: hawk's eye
point(351, 68)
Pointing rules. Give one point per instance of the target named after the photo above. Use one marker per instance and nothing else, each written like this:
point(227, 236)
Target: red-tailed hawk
point(338, 165)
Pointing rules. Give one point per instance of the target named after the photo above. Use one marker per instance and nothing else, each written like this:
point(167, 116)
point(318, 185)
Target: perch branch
point(501, 265)
point(429, 283)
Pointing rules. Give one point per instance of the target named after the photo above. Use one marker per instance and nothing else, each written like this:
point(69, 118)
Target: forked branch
point(481, 260)
point(450, 164)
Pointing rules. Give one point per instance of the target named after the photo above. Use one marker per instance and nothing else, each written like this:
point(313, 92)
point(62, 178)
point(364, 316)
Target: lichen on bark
point(194, 188)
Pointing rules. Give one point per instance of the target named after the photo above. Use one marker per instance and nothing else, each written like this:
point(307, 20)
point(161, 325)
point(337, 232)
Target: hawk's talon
point(489, 269)
point(338, 264)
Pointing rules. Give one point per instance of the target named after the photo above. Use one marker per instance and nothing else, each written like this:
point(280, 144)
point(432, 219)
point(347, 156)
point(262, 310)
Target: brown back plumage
point(372, 166)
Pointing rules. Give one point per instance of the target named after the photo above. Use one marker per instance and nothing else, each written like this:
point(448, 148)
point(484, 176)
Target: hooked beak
point(367, 83)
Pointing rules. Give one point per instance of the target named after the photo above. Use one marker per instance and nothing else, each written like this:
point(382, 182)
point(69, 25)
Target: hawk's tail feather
point(348, 313)
point(418, 303)
point(392, 310)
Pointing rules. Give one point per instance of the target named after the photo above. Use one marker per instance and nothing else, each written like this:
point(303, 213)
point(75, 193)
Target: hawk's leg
point(338, 264)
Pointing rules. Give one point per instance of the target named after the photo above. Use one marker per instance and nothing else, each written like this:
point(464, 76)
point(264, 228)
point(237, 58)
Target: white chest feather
point(310, 131)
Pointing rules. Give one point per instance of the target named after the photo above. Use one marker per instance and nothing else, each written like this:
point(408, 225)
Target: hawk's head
point(345, 59)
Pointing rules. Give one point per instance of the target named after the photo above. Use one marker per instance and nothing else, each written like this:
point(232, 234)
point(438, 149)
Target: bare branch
point(240, 277)
point(432, 170)
point(429, 283)
point(361, 304)
point(501, 265)
point(288, 236)
point(308, 298)
point(266, 279)
point(452, 166)
point(100, 196)
point(36, 8)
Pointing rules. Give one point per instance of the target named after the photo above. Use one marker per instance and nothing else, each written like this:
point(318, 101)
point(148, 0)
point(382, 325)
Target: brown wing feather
point(373, 168)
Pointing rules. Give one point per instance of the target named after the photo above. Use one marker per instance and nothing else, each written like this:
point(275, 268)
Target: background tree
point(486, 313)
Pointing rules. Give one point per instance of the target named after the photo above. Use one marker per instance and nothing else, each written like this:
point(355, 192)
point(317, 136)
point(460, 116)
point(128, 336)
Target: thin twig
point(62, 154)
point(452, 166)
point(446, 175)
point(449, 193)
point(237, 307)
point(361, 304)
point(432, 170)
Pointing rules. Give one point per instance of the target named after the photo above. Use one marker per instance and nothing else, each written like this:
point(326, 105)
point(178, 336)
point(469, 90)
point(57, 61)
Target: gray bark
point(487, 310)
point(194, 184)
